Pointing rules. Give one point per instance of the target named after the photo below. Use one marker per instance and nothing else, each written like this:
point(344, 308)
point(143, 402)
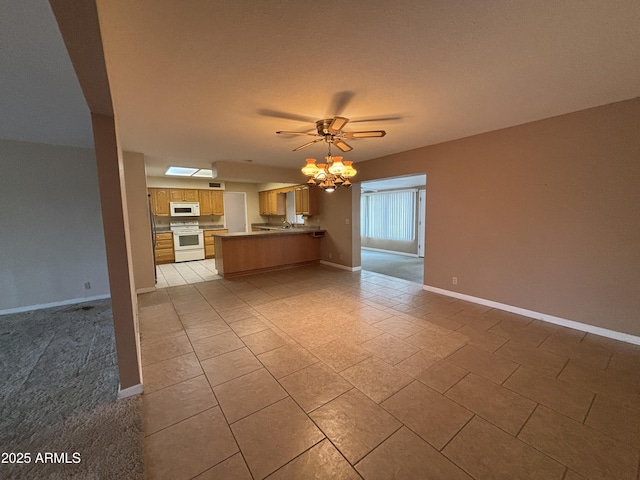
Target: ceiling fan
point(330, 131)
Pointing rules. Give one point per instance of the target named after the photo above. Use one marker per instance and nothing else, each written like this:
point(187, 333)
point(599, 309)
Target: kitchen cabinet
point(164, 252)
point(307, 201)
point(160, 199)
point(272, 202)
point(211, 202)
point(183, 195)
point(209, 246)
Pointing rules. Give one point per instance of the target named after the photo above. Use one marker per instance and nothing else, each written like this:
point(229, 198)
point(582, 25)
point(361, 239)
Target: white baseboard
point(145, 290)
point(62, 303)
point(583, 327)
point(130, 391)
point(341, 267)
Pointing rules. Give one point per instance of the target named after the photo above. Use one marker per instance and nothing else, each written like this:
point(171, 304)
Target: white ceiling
point(198, 82)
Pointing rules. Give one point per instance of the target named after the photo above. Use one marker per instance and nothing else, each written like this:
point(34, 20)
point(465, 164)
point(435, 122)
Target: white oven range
point(188, 240)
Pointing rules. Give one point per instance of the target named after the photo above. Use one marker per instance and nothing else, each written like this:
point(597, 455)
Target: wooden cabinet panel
point(263, 202)
point(176, 195)
point(204, 197)
point(272, 202)
point(307, 201)
point(241, 255)
point(164, 252)
point(209, 247)
point(190, 195)
point(211, 202)
point(217, 202)
point(160, 201)
point(183, 195)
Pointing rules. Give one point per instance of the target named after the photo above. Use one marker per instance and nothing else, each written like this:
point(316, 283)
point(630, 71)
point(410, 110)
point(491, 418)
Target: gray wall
point(51, 234)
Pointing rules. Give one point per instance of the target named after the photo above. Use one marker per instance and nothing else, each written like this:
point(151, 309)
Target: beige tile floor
point(317, 373)
point(185, 273)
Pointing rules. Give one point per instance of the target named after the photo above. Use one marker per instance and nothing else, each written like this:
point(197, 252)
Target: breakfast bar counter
point(242, 253)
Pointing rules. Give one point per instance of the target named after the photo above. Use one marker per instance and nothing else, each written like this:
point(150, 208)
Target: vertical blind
point(389, 215)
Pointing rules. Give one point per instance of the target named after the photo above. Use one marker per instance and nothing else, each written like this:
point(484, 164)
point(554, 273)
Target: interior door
point(235, 211)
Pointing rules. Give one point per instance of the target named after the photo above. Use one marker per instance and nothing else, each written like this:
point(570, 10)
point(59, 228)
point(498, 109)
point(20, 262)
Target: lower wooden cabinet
point(164, 252)
point(209, 248)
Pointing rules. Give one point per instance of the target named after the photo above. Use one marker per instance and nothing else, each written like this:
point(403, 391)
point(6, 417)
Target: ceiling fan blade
point(267, 112)
point(390, 118)
point(340, 101)
point(342, 145)
point(366, 134)
point(337, 124)
point(307, 144)
point(285, 132)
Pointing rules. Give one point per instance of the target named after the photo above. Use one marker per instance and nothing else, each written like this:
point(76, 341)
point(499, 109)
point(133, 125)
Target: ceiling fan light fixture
point(330, 130)
point(330, 175)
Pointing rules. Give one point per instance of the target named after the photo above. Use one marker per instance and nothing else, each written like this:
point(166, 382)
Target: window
point(389, 215)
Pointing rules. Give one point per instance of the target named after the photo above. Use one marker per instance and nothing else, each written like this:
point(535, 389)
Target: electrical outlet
point(454, 280)
point(87, 285)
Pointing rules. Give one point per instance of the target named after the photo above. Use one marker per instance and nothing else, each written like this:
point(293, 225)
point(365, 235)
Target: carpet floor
point(393, 265)
point(59, 396)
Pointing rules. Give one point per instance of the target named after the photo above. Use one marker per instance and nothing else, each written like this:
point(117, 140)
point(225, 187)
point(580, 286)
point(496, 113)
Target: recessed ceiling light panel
point(181, 171)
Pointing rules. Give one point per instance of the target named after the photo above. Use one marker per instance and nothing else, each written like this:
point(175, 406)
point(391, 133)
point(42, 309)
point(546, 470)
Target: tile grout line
point(271, 325)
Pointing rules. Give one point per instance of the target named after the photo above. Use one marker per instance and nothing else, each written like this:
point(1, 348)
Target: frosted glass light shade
point(310, 168)
point(321, 174)
point(337, 167)
point(349, 171)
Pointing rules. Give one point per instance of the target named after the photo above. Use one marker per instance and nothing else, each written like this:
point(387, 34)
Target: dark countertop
point(202, 227)
point(279, 231)
point(270, 226)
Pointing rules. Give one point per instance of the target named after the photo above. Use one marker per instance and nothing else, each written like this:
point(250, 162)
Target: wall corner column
point(116, 233)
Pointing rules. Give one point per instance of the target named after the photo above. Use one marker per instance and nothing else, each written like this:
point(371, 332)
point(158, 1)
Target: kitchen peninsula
point(254, 252)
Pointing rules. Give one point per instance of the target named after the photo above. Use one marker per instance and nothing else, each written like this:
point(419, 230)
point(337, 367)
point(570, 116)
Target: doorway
point(393, 213)
point(235, 211)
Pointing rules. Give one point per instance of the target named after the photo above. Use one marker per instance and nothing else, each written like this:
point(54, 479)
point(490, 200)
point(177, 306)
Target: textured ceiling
point(198, 82)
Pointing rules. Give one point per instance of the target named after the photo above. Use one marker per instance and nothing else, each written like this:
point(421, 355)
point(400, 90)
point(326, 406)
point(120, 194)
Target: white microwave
point(185, 209)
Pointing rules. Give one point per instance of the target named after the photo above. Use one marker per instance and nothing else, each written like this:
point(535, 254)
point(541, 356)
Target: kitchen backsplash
point(205, 220)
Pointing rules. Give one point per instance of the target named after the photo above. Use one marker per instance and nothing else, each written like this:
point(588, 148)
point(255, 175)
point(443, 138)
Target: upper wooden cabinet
point(183, 195)
point(211, 202)
point(307, 201)
point(160, 198)
point(272, 202)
